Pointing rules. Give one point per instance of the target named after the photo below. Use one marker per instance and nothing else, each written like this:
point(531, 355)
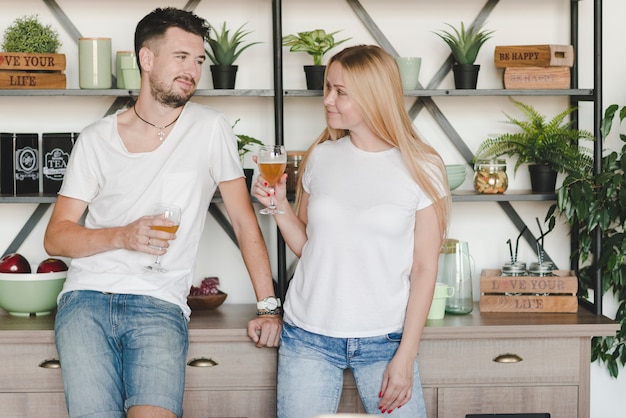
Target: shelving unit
point(423, 101)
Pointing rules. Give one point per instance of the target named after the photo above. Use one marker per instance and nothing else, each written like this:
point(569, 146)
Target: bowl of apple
point(24, 293)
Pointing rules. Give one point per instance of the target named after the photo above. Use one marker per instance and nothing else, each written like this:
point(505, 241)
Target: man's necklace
point(160, 128)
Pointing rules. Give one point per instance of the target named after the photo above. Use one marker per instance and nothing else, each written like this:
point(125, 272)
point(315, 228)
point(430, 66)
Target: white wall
point(409, 26)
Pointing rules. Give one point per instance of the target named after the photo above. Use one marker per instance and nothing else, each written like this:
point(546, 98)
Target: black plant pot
point(465, 75)
point(314, 76)
point(224, 76)
point(542, 178)
point(249, 172)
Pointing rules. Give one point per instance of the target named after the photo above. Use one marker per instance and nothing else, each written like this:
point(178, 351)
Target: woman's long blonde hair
point(372, 79)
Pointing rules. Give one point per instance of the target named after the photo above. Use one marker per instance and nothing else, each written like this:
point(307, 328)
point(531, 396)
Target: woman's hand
point(262, 190)
point(397, 387)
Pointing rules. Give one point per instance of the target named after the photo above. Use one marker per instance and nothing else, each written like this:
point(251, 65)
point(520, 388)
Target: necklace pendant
point(161, 135)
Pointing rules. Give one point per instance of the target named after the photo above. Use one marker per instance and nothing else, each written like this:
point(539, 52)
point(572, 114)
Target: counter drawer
point(238, 365)
point(33, 405)
point(558, 401)
point(535, 361)
point(22, 368)
point(230, 403)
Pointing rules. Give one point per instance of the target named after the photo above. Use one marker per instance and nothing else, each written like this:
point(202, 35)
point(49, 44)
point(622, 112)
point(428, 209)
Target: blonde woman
point(371, 215)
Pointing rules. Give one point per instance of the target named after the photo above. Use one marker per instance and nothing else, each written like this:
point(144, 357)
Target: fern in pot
point(548, 146)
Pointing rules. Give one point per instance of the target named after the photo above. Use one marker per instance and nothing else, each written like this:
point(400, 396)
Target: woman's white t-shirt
point(120, 187)
point(352, 279)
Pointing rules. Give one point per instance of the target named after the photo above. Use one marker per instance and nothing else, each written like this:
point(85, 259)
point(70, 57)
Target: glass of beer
point(171, 213)
point(272, 160)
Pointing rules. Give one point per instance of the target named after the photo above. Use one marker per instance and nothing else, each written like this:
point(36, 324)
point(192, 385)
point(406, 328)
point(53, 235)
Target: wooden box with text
point(548, 294)
point(534, 56)
point(537, 78)
point(32, 71)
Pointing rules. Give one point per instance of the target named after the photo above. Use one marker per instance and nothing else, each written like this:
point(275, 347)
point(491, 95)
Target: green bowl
point(30, 294)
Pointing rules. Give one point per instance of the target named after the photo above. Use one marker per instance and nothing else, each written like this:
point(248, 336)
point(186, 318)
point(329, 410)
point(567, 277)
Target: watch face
point(271, 304)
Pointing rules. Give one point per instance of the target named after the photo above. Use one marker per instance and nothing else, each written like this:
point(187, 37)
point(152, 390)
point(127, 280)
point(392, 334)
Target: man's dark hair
point(156, 23)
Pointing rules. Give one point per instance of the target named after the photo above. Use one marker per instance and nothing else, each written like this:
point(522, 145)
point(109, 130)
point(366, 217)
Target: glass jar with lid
point(490, 176)
point(294, 158)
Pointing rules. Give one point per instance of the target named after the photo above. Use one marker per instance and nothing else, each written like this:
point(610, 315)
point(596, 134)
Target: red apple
point(14, 263)
point(51, 265)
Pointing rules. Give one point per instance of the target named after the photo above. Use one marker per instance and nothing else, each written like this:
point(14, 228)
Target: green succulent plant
point(553, 142)
point(463, 43)
point(315, 43)
point(27, 34)
point(224, 49)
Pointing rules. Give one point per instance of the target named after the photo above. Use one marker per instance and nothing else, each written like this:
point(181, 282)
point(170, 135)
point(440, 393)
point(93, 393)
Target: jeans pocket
point(65, 299)
point(394, 336)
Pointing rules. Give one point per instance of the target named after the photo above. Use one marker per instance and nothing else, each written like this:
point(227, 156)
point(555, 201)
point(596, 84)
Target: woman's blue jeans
point(311, 367)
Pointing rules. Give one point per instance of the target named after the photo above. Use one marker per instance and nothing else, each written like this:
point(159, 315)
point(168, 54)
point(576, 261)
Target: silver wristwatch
point(270, 306)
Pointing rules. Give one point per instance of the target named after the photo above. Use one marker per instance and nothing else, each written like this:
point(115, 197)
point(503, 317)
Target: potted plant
point(223, 51)
point(549, 147)
point(243, 147)
point(465, 45)
point(315, 43)
point(30, 53)
point(594, 205)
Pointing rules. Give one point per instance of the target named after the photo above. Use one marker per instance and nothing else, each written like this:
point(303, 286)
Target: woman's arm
point(398, 379)
point(292, 227)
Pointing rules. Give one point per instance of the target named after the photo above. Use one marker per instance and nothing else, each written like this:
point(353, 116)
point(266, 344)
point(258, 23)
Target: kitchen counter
point(475, 363)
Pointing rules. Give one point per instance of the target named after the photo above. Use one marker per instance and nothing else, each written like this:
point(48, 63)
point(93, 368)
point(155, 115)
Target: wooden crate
point(534, 56)
point(539, 78)
point(528, 293)
point(32, 71)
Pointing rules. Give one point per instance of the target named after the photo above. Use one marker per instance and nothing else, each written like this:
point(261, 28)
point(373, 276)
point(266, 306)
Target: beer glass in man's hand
point(171, 213)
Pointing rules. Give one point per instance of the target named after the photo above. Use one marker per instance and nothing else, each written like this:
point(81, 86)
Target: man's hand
point(264, 331)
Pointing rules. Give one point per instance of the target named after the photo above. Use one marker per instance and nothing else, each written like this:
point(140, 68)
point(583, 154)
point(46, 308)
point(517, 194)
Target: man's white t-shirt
point(352, 279)
point(120, 187)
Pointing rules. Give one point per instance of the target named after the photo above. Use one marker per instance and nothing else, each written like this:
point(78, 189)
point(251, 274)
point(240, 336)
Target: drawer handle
point(508, 358)
point(202, 362)
point(50, 364)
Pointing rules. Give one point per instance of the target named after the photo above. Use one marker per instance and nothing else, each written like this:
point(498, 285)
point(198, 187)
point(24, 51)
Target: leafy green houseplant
point(244, 142)
point(595, 203)
point(223, 51)
point(550, 145)
point(28, 35)
point(316, 43)
point(465, 45)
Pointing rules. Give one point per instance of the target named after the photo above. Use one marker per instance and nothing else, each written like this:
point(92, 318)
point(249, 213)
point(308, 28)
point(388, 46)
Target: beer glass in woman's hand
point(272, 160)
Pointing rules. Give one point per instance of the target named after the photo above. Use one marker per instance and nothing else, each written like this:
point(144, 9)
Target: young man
point(121, 331)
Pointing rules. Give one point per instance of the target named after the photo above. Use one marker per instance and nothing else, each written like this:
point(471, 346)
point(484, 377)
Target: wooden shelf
point(508, 196)
point(581, 94)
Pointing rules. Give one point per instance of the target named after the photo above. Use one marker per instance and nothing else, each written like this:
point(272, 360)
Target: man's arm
point(66, 237)
point(264, 330)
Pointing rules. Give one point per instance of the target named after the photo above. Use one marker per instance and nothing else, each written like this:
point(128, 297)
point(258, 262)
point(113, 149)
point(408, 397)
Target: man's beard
point(167, 96)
